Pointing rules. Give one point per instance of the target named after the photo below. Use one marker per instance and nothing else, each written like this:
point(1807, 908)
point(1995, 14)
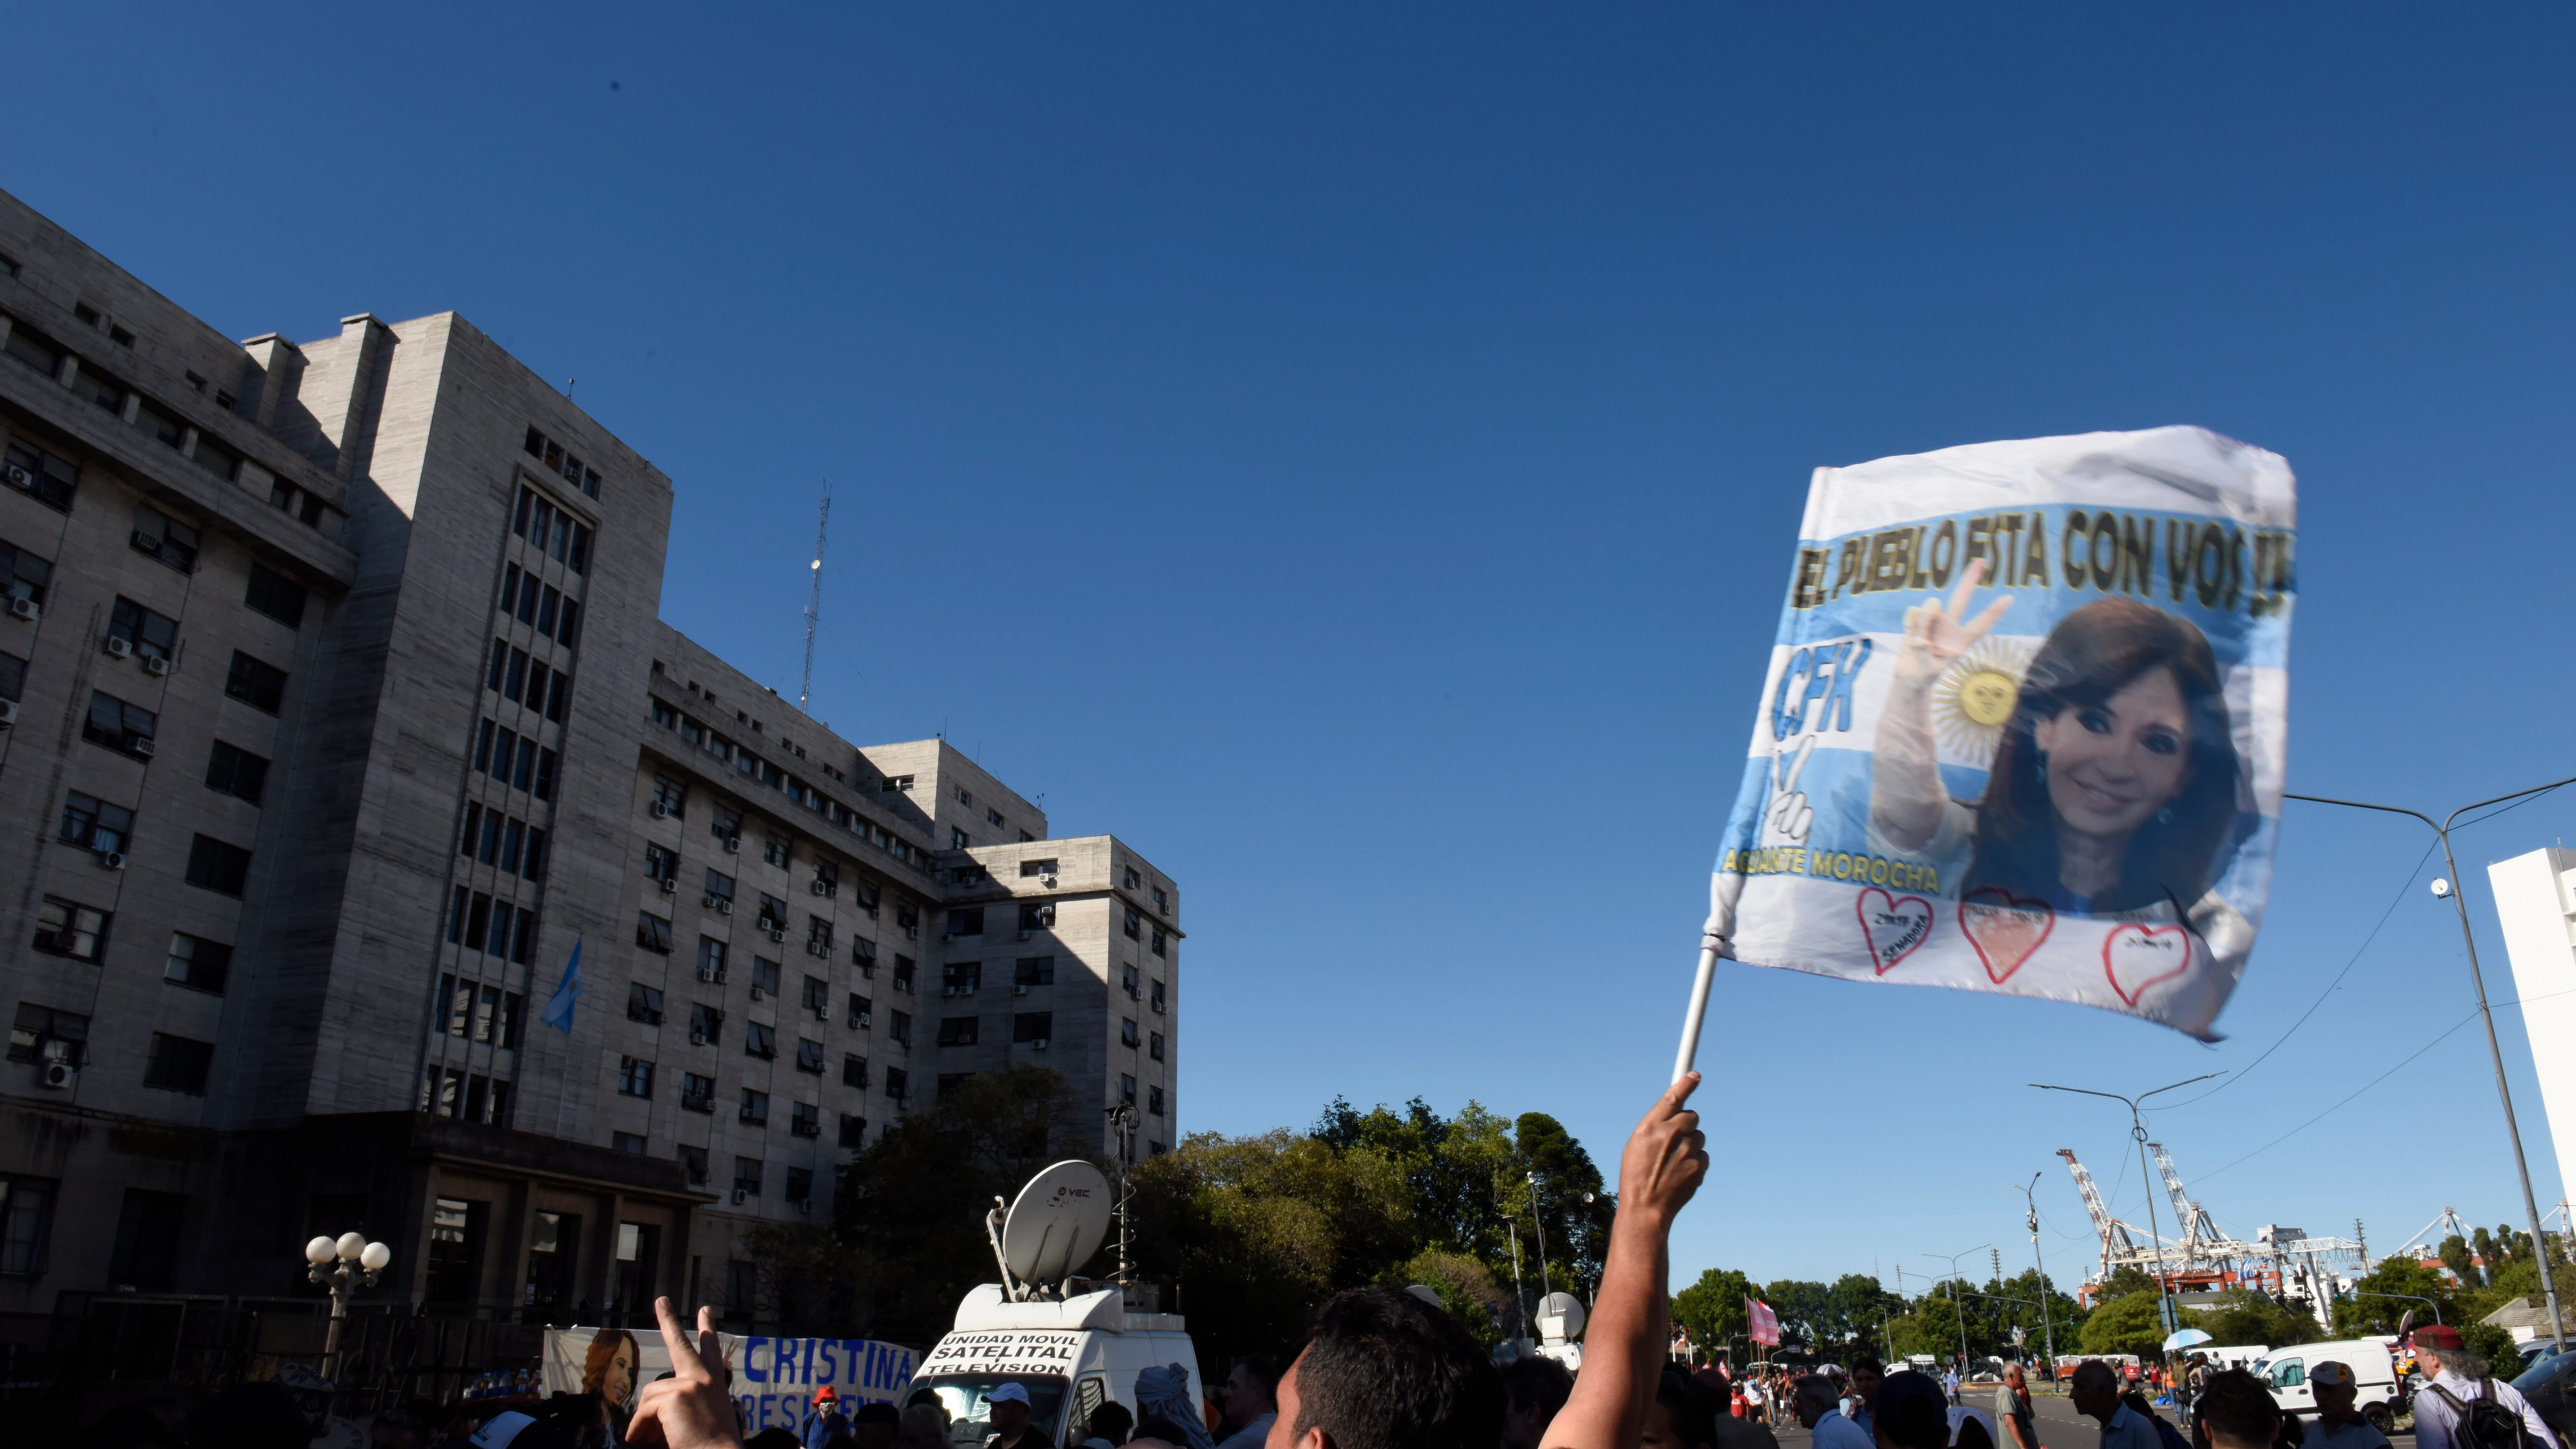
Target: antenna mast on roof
point(814, 598)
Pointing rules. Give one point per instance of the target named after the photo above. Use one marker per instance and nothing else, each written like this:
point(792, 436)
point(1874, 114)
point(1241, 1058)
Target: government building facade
point(337, 713)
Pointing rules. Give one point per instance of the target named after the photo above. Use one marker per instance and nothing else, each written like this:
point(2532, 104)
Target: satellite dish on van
point(1560, 1317)
point(1057, 1223)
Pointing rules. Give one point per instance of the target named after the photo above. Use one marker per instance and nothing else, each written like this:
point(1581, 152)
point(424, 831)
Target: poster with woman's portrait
point(2023, 725)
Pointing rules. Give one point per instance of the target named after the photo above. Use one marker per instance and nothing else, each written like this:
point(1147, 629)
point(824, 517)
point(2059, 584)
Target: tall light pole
point(2450, 886)
point(1539, 1226)
point(2138, 1130)
point(1962, 1300)
point(2045, 1326)
point(357, 1261)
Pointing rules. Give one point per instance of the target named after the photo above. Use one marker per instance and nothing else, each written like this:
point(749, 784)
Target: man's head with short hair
point(2235, 1410)
point(2012, 1375)
point(1682, 1416)
point(2095, 1390)
point(1911, 1411)
point(1534, 1388)
point(1384, 1370)
point(1816, 1398)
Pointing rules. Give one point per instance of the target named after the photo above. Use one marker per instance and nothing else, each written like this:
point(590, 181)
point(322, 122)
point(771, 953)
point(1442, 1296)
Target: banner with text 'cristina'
point(2023, 725)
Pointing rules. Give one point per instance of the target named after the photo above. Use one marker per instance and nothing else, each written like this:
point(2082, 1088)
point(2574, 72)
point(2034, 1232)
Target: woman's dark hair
point(2092, 654)
point(1112, 1422)
point(1689, 1406)
point(2238, 1408)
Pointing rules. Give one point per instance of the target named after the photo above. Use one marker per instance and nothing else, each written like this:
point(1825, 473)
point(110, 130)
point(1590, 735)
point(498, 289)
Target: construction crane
point(2117, 1246)
point(2201, 1249)
point(814, 598)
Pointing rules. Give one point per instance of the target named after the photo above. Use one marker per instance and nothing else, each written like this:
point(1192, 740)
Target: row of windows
point(471, 1096)
point(486, 1015)
point(636, 1077)
point(965, 978)
point(478, 922)
point(106, 829)
point(41, 1034)
point(1153, 1098)
point(673, 796)
point(146, 1245)
point(534, 602)
point(25, 575)
point(129, 728)
point(519, 679)
point(558, 460)
point(514, 760)
point(551, 531)
point(503, 841)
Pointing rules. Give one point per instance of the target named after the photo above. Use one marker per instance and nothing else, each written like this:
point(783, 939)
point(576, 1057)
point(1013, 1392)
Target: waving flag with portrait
point(2023, 725)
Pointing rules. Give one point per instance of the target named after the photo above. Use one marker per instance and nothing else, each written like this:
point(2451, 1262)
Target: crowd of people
point(1383, 1369)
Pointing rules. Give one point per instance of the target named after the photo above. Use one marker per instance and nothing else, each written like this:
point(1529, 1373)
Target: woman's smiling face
point(2113, 765)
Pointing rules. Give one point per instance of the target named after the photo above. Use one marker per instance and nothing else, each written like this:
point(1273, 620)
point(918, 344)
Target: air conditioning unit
point(140, 745)
point(759, 995)
point(21, 478)
point(697, 1036)
point(824, 888)
point(740, 1196)
point(778, 933)
point(156, 666)
point(670, 887)
point(661, 811)
point(1024, 935)
point(112, 859)
point(733, 845)
point(948, 991)
point(147, 542)
point(817, 948)
point(116, 648)
point(724, 905)
point(26, 609)
point(1019, 988)
point(1048, 881)
point(1040, 1044)
point(58, 1075)
point(806, 1204)
point(8, 714)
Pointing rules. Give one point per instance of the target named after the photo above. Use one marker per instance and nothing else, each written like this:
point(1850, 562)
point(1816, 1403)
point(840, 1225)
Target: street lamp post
point(2045, 1325)
point(342, 1265)
point(2414, 1297)
point(2477, 982)
point(1961, 1302)
point(2138, 1130)
point(1538, 1226)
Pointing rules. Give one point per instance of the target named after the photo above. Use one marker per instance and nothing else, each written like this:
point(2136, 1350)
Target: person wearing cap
point(1009, 1405)
point(2454, 1376)
point(2339, 1425)
point(824, 1422)
point(2096, 1392)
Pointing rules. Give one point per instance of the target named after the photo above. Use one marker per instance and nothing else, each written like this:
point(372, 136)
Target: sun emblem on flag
point(1973, 699)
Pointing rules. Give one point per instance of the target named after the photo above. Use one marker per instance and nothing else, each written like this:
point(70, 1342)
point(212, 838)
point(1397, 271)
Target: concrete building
point(2536, 901)
point(339, 715)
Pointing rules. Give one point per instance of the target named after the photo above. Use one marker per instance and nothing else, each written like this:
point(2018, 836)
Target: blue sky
point(1352, 453)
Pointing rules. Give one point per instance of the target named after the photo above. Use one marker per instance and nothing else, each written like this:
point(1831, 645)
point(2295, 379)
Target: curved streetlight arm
point(2478, 983)
point(2138, 1130)
point(2047, 1326)
point(2413, 1297)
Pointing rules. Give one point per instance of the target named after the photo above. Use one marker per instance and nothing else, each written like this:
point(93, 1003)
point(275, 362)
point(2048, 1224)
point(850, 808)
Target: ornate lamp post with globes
point(342, 1265)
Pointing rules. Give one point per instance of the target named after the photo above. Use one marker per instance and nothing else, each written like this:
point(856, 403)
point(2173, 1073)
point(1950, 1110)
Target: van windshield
point(968, 1400)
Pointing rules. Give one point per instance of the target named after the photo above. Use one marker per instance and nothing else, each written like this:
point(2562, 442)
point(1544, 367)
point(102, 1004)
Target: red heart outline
point(1860, 909)
point(2004, 901)
point(2144, 933)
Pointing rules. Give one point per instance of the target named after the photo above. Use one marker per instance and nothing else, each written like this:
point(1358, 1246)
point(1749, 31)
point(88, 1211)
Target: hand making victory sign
point(1905, 777)
point(690, 1409)
point(1937, 633)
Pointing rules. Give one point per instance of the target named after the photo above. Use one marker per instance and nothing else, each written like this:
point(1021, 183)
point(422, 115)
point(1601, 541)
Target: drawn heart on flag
point(1894, 928)
point(2136, 957)
point(2005, 929)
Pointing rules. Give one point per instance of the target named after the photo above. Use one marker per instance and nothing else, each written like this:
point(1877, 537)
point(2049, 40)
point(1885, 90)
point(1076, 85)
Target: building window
point(951, 1081)
point(627, 1142)
point(898, 1083)
point(907, 914)
point(804, 1119)
point(759, 1041)
point(147, 634)
point(899, 1027)
point(773, 913)
point(1033, 971)
point(166, 539)
point(755, 1107)
point(1037, 916)
point(42, 1034)
point(957, 1030)
point(94, 825)
point(956, 838)
point(178, 1064)
point(961, 978)
point(1127, 1090)
point(634, 1077)
point(261, 686)
point(746, 1181)
point(147, 1240)
point(26, 1216)
point(903, 970)
point(1154, 1100)
point(1031, 868)
point(1158, 996)
point(1161, 905)
point(67, 928)
point(764, 977)
point(1131, 925)
point(711, 958)
point(706, 1025)
point(661, 863)
point(198, 963)
point(276, 595)
point(23, 575)
point(643, 1003)
point(775, 852)
point(1157, 942)
point(232, 770)
point(719, 895)
point(726, 826)
point(854, 1134)
point(809, 1056)
point(863, 1011)
point(697, 1093)
point(1127, 979)
point(818, 936)
point(41, 475)
point(966, 921)
point(894, 783)
point(1032, 1026)
point(1127, 1036)
point(854, 1071)
point(652, 932)
point(112, 722)
point(693, 1163)
point(670, 797)
point(995, 816)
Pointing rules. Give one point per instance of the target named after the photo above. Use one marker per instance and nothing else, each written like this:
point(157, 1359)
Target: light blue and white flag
point(558, 1012)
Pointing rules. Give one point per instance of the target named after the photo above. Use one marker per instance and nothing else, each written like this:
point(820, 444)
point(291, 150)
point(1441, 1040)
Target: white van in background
point(1072, 1355)
point(2230, 1356)
point(2374, 1375)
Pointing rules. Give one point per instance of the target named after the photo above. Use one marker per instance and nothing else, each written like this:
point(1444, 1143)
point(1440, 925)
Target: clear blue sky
point(1352, 453)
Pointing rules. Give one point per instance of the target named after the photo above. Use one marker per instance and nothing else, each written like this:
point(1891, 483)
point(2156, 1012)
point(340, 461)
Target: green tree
point(1467, 1290)
point(2406, 1281)
point(2246, 1315)
point(2131, 1323)
point(1860, 1307)
point(1806, 1312)
point(1578, 1232)
point(2455, 1256)
point(1712, 1309)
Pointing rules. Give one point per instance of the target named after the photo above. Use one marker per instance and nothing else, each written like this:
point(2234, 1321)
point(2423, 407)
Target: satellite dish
point(1057, 1223)
point(1560, 1316)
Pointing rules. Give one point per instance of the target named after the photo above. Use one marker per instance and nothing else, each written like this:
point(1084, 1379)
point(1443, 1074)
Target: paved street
point(2060, 1427)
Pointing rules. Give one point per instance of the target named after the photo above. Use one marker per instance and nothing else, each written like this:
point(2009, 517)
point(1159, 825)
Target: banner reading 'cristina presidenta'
point(2023, 725)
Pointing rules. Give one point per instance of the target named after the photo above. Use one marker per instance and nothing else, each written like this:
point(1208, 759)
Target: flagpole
point(1698, 1009)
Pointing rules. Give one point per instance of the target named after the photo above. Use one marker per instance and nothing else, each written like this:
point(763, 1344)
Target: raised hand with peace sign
point(691, 1409)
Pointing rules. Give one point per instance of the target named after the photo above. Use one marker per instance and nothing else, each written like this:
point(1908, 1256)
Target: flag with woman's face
point(2023, 725)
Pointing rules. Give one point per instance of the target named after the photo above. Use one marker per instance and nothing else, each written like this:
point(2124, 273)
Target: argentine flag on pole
point(558, 1012)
